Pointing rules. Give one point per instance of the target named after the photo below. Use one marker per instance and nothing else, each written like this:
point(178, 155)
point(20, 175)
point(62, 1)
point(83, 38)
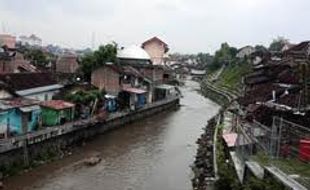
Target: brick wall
point(67, 64)
point(106, 78)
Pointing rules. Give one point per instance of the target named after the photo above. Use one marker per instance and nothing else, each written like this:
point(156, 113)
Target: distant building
point(133, 55)
point(157, 49)
point(32, 40)
point(12, 61)
point(138, 58)
point(37, 86)
point(7, 40)
point(287, 46)
point(67, 64)
point(245, 52)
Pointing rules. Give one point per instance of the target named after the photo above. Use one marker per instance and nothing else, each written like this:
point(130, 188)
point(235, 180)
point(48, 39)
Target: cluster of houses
point(29, 98)
point(279, 83)
point(139, 77)
point(278, 87)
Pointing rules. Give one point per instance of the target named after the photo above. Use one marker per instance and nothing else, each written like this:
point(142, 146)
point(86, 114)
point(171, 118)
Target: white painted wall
point(42, 96)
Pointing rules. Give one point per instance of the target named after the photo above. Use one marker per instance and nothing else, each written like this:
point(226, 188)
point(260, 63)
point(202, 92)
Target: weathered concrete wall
point(55, 145)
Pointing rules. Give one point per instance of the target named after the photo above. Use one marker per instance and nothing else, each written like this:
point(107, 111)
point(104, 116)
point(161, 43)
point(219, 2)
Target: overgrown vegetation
point(227, 175)
point(289, 165)
point(266, 184)
point(225, 55)
point(231, 77)
point(278, 44)
point(228, 179)
point(85, 97)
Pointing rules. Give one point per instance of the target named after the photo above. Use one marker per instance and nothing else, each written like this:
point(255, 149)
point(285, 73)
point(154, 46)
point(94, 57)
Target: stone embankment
point(204, 167)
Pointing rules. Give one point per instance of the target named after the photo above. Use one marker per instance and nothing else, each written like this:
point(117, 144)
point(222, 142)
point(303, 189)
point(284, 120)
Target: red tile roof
point(57, 104)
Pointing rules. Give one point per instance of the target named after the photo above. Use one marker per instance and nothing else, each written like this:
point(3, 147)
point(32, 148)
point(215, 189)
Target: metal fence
point(284, 139)
point(284, 144)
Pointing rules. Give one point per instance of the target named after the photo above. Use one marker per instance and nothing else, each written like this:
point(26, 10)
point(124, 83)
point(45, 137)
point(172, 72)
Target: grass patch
point(231, 77)
point(289, 165)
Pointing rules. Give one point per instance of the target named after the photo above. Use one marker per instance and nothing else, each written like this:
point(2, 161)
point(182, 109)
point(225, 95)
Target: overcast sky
point(188, 26)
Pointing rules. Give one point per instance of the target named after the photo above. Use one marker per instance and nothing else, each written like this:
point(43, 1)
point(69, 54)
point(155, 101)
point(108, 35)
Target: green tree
point(96, 59)
point(203, 59)
point(260, 48)
point(85, 97)
point(224, 55)
point(36, 56)
point(278, 43)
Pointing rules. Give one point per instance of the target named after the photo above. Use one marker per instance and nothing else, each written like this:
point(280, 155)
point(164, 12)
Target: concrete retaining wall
point(15, 158)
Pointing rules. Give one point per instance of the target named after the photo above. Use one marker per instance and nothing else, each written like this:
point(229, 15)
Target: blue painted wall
point(141, 100)
point(15, 120)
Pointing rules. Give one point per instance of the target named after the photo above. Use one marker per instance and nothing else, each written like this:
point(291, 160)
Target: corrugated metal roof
point(39, 90)
point(16, 102)
point(165, 86)
point(134, 90)
point(29, 108)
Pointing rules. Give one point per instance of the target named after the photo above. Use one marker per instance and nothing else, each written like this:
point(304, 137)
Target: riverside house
point(57, 112)
point(38, 86)
point(14, 111)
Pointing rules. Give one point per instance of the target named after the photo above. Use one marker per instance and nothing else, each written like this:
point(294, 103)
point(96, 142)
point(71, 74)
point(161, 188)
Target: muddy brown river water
point(150, 154)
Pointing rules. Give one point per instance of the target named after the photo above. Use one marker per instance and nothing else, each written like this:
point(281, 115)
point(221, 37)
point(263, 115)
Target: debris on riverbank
point(203, 168)
point(92, 161)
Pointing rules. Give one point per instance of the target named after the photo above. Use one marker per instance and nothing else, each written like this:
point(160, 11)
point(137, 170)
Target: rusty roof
point(57, 104)
point(23, 81)
point(17, 102)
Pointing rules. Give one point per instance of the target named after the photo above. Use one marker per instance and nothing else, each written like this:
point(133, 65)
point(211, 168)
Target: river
point(150, 154)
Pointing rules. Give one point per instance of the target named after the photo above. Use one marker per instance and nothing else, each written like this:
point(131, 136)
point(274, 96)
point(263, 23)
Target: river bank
point(233, 173)
point(152, 153)
point(55, 143)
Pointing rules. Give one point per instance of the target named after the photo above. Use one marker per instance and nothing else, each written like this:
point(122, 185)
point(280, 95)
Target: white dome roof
point(133, 52)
